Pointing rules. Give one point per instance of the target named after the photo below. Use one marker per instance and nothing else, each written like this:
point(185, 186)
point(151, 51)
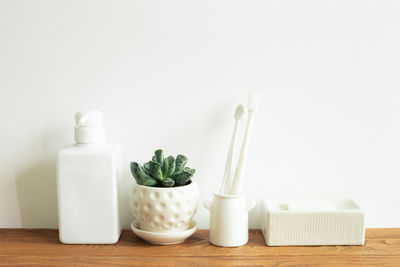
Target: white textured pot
point(162, 209)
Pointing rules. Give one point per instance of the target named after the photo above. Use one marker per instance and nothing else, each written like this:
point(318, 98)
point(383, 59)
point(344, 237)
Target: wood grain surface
point(41, 247)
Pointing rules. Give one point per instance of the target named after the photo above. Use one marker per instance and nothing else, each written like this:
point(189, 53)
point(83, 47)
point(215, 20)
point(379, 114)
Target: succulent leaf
point(133, 170)
point(146, 167)
point(159, 156)
point(180, 163)
point(187, 169)
point(141, 176)
point(138, 172)
point(150, 182)
point(168, 182)
point(165, 168)
point(171, 165)
point(181, 178)
point(155, 170)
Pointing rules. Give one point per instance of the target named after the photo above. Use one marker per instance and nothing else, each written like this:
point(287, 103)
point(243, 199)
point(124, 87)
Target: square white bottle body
point(87, 185)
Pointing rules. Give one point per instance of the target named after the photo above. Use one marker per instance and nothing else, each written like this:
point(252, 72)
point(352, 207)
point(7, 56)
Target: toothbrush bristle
point(253, 101)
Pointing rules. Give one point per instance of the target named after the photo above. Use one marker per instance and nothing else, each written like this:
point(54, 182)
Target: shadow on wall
point(124, 207)
point(254, 214)
point(37, 188)
point(37, 195)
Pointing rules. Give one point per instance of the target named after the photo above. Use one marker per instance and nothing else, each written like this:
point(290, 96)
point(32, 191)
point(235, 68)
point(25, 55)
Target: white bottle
point(87, 185)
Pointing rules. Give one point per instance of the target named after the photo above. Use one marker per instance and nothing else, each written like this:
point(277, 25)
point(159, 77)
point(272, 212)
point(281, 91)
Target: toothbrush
point(227, 181)
point(236, 187)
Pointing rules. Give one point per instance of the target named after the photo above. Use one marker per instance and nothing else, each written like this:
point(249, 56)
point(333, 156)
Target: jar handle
point(207, 204)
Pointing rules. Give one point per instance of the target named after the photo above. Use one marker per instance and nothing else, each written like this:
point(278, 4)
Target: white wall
point(168, 74)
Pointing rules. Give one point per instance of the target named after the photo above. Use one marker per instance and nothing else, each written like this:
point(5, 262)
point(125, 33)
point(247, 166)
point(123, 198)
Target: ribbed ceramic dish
point(312, 222)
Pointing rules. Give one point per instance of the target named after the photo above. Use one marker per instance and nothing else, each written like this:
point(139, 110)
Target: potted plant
point(163, 198)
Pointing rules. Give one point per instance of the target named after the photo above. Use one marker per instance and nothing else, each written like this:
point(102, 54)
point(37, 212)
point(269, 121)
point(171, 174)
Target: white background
point(168, 74)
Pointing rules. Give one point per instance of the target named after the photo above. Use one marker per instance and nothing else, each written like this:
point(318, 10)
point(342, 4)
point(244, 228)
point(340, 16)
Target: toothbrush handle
point(229, 163)
point(236, 187)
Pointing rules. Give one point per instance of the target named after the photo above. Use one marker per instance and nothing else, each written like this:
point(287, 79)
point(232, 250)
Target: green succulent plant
point(163, 172)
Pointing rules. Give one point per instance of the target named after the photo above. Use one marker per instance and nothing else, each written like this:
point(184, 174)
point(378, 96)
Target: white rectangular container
point(310, 222)
point(88, 210)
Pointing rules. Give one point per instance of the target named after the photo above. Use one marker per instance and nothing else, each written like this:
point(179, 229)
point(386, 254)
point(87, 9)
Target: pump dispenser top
point(89, 128)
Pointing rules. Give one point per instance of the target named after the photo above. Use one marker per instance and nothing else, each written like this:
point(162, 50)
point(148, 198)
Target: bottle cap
point(89, 127)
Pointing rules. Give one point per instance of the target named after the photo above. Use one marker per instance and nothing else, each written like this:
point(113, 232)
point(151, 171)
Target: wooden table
point(40, 247)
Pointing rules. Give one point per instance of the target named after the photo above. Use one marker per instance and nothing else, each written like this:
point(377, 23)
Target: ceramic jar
point(163, 209)
point(229, 219)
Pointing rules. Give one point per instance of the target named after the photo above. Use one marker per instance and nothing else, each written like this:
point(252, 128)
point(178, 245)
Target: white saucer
point(164, 238)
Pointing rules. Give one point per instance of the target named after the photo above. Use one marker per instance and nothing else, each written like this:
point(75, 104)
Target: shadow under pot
point(163, 209)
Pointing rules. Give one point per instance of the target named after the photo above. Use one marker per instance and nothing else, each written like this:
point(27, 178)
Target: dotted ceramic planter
point(160, 209)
